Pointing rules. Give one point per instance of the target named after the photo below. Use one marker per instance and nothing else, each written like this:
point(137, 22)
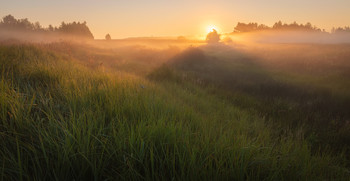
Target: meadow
point(187, 111)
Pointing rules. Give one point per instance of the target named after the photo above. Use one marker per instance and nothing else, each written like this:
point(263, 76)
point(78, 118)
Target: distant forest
point(279, 26)
point(81, 30)
point(76, 29)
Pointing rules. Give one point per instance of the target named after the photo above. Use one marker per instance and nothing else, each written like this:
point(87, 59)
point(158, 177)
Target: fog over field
point(256, 103)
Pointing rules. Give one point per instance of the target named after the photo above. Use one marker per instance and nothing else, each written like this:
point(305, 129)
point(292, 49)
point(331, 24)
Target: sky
point(145, 18)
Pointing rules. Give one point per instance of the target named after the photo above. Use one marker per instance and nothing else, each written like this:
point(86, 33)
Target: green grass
point(313, 99)
point(62, 120)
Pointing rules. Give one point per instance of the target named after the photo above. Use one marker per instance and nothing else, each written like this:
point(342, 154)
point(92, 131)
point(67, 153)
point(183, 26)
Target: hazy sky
point(132, 18)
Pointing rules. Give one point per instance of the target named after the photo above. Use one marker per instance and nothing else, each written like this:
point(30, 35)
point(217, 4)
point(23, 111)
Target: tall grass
point(314, 99)
point(63, 121)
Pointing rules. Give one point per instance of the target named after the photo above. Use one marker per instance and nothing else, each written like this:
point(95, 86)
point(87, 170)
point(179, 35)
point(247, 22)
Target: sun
point(210, 28)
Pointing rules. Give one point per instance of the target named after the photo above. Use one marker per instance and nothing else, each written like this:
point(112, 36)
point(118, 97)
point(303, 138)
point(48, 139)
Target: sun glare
point(211, 28)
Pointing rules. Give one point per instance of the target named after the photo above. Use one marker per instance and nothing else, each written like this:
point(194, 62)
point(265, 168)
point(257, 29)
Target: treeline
point(346, 29)
point(74, 29)
point(279, 26)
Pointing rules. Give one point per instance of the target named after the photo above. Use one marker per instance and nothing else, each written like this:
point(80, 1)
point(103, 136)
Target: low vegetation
point(75, 112)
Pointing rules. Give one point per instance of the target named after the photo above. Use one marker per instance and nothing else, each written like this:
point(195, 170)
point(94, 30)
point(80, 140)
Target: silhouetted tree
point(9, 20)
point(243, 27)
point(75, 29)
point(263, 27)
point(213, 37)
point(11, 23)
point(37, 26)
point(346, 29)
point(108, 37)
point(50, 28)
point(277, 25)
point(80, 30)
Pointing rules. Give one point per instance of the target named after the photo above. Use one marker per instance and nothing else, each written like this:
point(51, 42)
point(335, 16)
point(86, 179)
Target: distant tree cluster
point(77, 29)
point(243, 27)
point(11, 23)
point(295, 26)
point(341, 30)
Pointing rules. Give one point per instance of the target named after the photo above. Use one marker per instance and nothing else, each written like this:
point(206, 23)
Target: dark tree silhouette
point(9, 20)
point(37, 26)
point(75, 29)
point(80, 30)
point(243, 27)
point(50, 28)
point(213, 37)
point(108, 37)
point(345, 29)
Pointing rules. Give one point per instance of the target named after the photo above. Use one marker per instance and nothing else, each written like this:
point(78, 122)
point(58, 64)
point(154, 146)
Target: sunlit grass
point(63, 121)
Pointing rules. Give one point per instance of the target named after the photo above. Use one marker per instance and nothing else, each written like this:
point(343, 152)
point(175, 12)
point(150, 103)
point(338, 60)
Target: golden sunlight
point(210, 28)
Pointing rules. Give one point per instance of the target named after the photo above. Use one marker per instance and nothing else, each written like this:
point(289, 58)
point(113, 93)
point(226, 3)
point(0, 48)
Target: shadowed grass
point(281, 97)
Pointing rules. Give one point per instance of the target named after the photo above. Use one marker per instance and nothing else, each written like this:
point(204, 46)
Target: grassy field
point(79, 112)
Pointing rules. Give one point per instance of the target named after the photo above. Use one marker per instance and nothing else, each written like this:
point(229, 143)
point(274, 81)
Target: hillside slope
point(64, 120)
